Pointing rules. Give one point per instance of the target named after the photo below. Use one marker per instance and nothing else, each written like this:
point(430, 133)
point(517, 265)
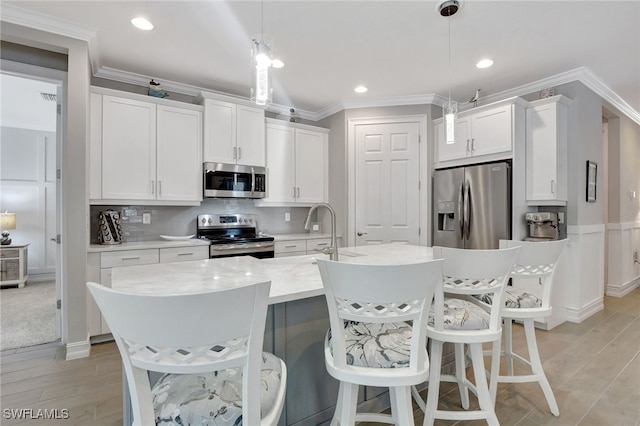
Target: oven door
point(233, 181)
point(260, 250)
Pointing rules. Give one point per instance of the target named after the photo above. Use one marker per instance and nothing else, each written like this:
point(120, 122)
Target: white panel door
point(250, 132)
point(311, 158)
point(387, 183)
point(280, 164)
point(179, 144)
point(128, 149)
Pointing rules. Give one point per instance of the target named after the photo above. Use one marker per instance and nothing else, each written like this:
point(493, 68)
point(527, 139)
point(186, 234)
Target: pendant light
point(261, 61)
point(448, 8)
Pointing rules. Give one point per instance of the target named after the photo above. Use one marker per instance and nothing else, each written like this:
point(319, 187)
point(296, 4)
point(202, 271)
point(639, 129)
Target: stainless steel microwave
point(234, 181)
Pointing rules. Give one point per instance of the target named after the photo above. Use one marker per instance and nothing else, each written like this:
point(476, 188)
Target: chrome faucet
point(333, 250)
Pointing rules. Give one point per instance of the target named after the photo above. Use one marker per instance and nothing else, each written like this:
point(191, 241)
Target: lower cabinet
point(101, 264)
point(300, 247)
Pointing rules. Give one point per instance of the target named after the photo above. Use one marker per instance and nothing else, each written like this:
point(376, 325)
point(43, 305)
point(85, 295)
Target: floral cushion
point(461, 314)
point(514, 298)
point(386, 345)
point(212, 398)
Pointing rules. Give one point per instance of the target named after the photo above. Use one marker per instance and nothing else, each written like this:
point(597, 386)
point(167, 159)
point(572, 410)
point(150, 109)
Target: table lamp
point(7, 222)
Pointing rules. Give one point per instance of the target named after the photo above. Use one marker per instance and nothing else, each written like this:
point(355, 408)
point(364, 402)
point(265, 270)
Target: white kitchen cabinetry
point(233, 133)
point(105, 261)
point(297, 164)
point(546, 151)
point(481, 134)
point(144, 151)
point(300, 247)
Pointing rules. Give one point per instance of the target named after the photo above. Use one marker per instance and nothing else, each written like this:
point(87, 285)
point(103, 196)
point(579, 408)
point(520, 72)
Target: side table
point(13, 265)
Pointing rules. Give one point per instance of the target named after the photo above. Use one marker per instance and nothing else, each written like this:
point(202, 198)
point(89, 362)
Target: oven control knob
point(209, 221)
point(203, 221)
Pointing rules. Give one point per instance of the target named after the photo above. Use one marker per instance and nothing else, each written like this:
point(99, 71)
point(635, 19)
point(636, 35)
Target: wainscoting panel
point(623, 272)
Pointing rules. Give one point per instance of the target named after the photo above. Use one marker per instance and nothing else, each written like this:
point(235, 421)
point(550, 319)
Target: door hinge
point(56, 239)
point(59, 109)
point(59, 304)
point(58, 173)
point(419, 231)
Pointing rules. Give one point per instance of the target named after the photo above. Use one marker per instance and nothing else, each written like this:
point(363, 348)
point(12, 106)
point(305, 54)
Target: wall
point(73, 180)
point(177, 220)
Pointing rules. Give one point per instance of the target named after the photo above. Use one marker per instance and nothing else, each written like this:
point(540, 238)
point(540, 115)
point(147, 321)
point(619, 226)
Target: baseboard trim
point(623, 290)
point(579, 315)
point(77, 350)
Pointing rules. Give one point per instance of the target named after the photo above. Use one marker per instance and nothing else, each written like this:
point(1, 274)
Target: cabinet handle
point(321, 244)
point(185, 254)
point(553, 186)
point(473, 144)
point(159, 187)
point(239, 153)
point(131, 258)
point(468, 150)
point(298, 192)
point(153, 186)
point(293, 246)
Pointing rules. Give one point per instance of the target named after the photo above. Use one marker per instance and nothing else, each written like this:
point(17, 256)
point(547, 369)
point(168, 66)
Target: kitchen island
point(297, 320)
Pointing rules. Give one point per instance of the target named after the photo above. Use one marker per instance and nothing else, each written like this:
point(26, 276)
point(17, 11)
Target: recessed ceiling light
point(277, 63)
point(142, 23)
point(484, 63)
point(360, 89)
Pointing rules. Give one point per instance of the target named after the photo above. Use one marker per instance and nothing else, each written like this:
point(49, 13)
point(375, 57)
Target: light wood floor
point(593, 367)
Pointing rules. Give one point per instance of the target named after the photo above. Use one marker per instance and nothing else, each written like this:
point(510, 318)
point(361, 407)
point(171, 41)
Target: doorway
point(30, 187)
point(388, 184)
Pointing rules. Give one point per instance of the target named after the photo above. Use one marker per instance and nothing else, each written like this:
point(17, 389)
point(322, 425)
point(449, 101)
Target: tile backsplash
point(179, 220)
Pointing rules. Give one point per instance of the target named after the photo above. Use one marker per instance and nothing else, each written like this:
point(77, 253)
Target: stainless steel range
point(234, 235)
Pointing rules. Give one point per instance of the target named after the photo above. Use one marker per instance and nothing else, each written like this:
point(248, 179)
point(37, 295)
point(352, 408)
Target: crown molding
point(585, 76)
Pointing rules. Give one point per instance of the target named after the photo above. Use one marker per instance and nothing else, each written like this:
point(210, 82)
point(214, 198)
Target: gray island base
point(297, 320)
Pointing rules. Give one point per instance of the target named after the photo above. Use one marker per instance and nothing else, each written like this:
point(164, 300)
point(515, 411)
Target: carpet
point(27, 315)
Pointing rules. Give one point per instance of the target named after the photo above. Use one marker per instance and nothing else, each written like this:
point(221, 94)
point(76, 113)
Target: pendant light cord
point(449, 25)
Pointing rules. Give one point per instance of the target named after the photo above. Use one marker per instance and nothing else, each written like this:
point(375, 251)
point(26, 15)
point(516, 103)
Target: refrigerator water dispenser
point(446, 216)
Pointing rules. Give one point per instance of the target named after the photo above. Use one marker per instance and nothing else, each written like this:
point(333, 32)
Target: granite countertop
point(141, 245)
point(292, 278)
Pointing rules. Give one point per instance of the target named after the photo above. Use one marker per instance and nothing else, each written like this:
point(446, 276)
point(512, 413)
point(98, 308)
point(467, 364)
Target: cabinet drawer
point(181, 254)
point(318, 244)
point(128, 258)
point(9, 253)
point(290, 246)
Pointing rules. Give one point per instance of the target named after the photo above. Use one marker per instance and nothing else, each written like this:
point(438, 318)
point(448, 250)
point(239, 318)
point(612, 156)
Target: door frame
point(424, 171)
point(58, 78)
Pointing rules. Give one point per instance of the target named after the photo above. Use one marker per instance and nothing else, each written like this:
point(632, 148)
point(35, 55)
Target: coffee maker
point(543, 226)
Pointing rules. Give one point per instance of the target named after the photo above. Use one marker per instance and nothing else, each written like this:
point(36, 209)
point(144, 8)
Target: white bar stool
point(462, 321)
point(209, 345)
point(378, 316)
point(536, 260)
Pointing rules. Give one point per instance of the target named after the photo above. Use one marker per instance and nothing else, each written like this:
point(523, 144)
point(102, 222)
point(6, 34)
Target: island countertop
point(292, 278)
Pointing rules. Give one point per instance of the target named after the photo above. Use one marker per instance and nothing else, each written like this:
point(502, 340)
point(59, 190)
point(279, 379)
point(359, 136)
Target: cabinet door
point(546, 155)
point(178, 154)
point(311, 160)
point(219, 131)
point(459, 147)
point(250, 136)
point(280, 164)
point(128, 149)
point(491, 131)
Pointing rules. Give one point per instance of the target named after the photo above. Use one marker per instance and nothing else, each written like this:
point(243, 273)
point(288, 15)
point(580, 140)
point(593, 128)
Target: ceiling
point(398, 49)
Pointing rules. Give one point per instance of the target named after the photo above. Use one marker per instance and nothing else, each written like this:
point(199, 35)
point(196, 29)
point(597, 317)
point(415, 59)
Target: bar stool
point(460, 320)
point(378, 316)
point(209, 345)
point(536, 260)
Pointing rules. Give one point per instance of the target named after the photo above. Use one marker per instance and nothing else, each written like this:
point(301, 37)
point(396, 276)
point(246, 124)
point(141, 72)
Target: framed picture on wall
point(592, 176)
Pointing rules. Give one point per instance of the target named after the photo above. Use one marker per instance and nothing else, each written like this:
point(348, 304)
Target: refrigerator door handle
point(467, 216)
point(460, 213)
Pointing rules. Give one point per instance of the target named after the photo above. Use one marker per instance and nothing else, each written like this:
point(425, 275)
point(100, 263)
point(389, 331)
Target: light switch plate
point(287, 217)
point(146, 218)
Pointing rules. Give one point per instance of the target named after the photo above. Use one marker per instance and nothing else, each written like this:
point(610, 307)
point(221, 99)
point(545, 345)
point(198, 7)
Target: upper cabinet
point(546, 152)
point(144, 150)
point(481, 134)
point(233, 133)
point(297, 164)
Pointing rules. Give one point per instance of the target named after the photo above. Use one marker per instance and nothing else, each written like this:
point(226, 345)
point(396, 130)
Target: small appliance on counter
point(109, 228)
point(543, 226)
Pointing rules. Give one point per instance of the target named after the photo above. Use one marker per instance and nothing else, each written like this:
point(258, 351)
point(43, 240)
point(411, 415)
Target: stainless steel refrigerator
point(472, 206)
